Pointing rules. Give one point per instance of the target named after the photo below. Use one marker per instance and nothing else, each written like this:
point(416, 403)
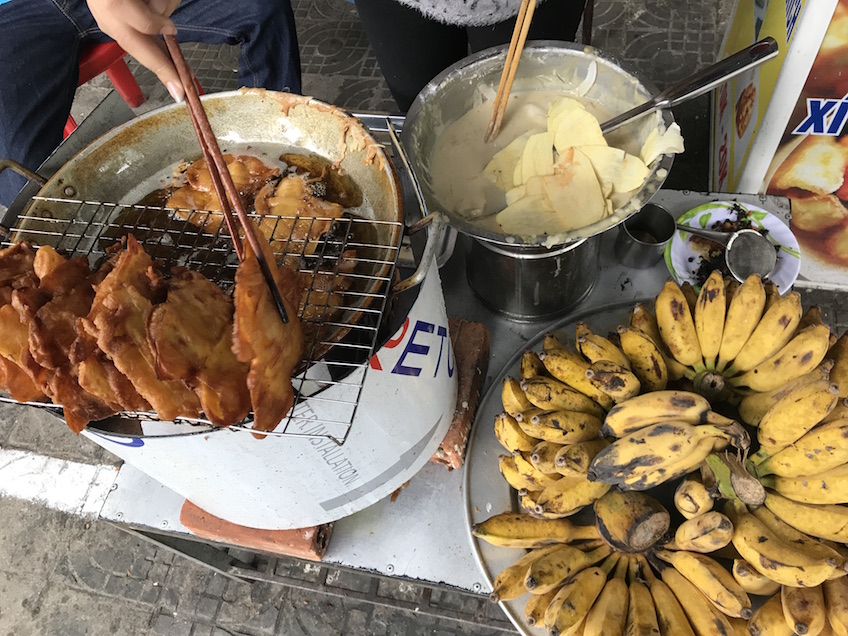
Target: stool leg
point(124, 82)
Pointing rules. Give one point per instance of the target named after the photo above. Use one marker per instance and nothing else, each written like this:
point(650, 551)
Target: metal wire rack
point(346, 275)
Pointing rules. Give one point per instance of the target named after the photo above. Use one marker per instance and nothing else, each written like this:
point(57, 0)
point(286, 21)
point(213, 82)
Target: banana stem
point(734, 482)
point(711, 384)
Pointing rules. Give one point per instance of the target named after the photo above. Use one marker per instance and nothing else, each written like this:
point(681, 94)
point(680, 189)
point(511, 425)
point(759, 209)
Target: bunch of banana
point(811, 611)
point(660, 452)
point(778, 552)
point(712, 579)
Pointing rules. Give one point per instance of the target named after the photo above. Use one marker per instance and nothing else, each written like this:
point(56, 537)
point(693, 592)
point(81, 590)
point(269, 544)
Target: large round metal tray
point(486, 491)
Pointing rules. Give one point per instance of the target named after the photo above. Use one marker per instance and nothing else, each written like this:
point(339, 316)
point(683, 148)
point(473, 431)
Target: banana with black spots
point(829, 487)
point(771, 334)
point(551, 570)
point(595, 347)
point(509, 584)
point(820, 450)
point(710, 312)
point(692, 498)
point(510, 530)
point(608, 615)
point(655, 407)
point(569, 367)
point(562, 427)
point(574, 460)
point(706, 533)
point(646, 359)
point(712, 579)
point(800, 355)
point(753, 407)
point(510, 435)
point(671, 618)
point(804, 609)
point(613, 379)
point(743, 314)
point(796, 413)
point(677, 326)
point(752, 581)
point(549, 394)
point(823, 521)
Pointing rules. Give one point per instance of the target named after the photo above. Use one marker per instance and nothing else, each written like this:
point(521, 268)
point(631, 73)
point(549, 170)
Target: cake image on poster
point(810, 165)
point(745, 108)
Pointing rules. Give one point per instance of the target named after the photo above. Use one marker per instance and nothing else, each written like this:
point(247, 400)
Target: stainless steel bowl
point(556, 66)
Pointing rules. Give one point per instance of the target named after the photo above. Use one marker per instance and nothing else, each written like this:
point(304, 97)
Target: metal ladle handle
point(701, 82)
point(722, 238)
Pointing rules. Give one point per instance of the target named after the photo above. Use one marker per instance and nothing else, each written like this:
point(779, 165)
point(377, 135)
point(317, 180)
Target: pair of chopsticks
point(222, 181)
point(513, 55)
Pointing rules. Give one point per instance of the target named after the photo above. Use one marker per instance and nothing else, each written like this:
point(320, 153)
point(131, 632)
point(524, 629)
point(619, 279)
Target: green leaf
point(704, 219)
point(759, 216)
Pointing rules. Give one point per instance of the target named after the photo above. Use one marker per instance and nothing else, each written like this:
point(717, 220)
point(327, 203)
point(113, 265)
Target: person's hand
point(134, 25)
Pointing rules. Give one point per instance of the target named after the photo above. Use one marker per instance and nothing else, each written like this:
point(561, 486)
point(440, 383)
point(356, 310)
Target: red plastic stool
point(108, 57)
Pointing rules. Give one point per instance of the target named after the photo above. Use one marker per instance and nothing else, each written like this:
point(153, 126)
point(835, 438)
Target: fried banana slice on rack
point(293, 215)
point(16, 266)
point(191, 336)
point(272, 348)
point(98, 375)
point(118, 321)
point(14, 348)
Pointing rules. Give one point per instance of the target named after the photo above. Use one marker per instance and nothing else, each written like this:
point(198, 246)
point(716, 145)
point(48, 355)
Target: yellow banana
point(822, 521)
point(836, 604)
point(516, 479)
point(654, 447)
point(509, 584)
point(531, 367)
point(609, 613)
point(630, 521)
point(552, 343)
point(712, 579)
point(752, 581)
point(510, 530)
point(595, 347)
point(820, 450)
point(562, 427)
point(577, 599)
point(803, 609)
point(510, 435)
point(772, 294)
point(771, 556)
point(677, 327)
point(753, 407)
point(839, 354)
point(829, 487)
point(692, 498)
point(549, 394)
point(534, 609)
point(771, 334)
point(574, 460)
point(646, 360)
point(513, 398)
point(614, 380)
point(768, 620)
point(643, 320)
point(706, 533)
point(702, 616)
point(803, 543)
point(743, 313)
point(550, 571)
point(568, 367)
point(671, 618)
point(656, 407)
point(568, 495)
point(527, 503)
point(796, 413)
point(643, 480)
point(710, 311)
point(839, 411)
point(801, 355)
point(543, 456)
point(539, 479)
point(641, 611)
point(813, 316)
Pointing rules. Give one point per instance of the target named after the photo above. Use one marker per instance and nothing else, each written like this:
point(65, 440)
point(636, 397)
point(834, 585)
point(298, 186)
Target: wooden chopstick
point(513, 56)
point(222, 181)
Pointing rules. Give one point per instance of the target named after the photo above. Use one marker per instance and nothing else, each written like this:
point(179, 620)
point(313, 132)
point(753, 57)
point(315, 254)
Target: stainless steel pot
point(526, 283)
point(553, 66)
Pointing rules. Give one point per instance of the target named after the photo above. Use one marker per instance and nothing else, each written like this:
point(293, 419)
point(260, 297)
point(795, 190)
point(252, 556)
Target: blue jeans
point(40, 43)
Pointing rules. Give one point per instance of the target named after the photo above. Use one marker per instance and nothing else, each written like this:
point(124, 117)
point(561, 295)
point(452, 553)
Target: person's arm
point(134, 25)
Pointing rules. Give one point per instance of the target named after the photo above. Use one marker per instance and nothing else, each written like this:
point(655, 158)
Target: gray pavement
point(66, 575)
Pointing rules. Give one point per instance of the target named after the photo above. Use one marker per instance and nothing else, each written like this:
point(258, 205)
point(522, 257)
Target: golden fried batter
point(118, 320)
point(272, 348)
point(191, 338)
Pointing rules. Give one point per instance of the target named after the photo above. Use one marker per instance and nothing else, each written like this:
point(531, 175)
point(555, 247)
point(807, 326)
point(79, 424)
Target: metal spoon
point(746, 251)
point(701, 82)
